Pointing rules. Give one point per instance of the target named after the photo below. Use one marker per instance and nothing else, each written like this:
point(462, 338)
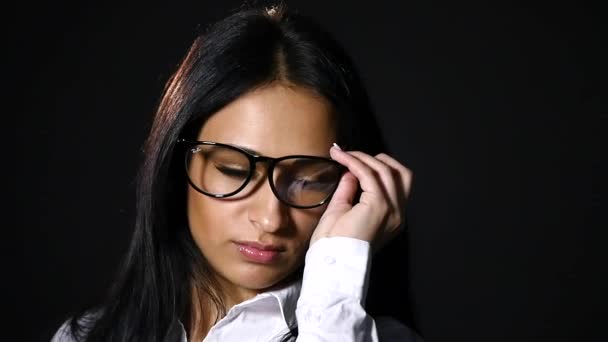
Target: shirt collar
point(287, 297)
point(286, 302)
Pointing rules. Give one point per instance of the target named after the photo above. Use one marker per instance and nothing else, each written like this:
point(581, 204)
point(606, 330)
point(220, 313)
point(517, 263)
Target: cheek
point(210, 219)
point(307, 219)
point(205, 218)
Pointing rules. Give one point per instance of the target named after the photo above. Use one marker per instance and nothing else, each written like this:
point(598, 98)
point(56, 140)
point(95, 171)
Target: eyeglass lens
point(220, 171)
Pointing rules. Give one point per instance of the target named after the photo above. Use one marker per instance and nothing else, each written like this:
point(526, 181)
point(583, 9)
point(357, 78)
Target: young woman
point(252, 225)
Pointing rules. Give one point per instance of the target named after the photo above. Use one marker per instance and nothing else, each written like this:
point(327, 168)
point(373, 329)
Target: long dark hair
point(251, 48)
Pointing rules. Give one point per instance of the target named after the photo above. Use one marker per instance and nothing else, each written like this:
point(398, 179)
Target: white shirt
point(327, 304)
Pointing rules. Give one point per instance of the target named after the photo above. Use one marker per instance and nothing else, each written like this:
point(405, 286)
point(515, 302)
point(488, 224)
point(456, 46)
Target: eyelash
point(242, 174)
point(232, 172)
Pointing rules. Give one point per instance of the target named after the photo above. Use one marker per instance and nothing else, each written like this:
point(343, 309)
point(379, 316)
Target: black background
point(499, 109)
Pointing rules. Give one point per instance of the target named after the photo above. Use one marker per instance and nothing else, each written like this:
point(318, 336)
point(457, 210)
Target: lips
point(257, 252)
point(260, 246)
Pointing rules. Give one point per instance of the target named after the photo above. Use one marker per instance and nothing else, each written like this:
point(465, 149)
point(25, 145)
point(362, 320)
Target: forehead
point(275, 120)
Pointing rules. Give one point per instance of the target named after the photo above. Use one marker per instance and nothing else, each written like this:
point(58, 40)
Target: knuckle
point(386, 207)
point(368, 172)
point(407, 172)
point(385, 170)
point(398, 219)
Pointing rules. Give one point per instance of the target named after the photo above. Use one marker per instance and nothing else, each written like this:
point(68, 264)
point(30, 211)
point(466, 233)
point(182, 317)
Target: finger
point(343, 197)
point(386, 174)
point(396, 178)
point(406, 174)
point(365, 174)
point(385, 171)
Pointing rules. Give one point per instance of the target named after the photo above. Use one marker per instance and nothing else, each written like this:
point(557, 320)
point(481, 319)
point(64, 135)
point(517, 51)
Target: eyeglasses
point(221, 170)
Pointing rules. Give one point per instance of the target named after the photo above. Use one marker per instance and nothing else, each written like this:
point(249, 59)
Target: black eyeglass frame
point(253, 159)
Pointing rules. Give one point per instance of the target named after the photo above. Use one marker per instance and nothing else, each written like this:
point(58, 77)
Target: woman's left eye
point(232, 172)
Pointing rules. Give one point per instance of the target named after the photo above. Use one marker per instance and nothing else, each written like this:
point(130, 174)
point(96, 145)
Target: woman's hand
point(378, 217)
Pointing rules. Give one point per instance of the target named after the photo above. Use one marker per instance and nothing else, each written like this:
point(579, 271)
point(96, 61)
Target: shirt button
point(329, 260)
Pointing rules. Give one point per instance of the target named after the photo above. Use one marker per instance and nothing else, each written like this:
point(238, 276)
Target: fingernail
point(336, 146)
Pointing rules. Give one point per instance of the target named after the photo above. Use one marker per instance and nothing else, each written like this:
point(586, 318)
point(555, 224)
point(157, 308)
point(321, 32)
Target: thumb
point(344, 195)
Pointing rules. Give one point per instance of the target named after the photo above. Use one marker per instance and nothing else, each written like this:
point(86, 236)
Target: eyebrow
point(259, 153)
point(247, 149)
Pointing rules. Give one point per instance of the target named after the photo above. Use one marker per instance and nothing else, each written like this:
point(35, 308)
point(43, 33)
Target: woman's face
point(274, 121)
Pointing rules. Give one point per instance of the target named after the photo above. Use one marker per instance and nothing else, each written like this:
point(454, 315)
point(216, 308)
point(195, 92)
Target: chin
point(256, 279)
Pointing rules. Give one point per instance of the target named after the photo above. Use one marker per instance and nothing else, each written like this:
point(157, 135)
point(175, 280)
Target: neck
point(232, 295)
point(205, 312)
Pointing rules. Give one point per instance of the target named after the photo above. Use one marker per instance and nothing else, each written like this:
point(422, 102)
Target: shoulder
point(392, 330)
point(65, 332)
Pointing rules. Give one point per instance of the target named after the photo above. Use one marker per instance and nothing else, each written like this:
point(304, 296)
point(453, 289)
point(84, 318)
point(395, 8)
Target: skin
point(279, 120)
point(258, 121)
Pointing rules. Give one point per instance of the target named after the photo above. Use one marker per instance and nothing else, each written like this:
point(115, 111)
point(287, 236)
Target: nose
point(266, 212)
